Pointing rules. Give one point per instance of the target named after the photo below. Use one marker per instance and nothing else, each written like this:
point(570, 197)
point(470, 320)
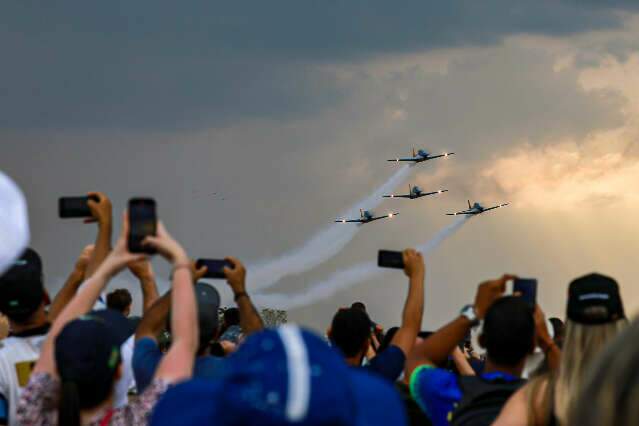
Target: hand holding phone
point(527, 289)
point(75, 207)
point(142, 224)
point(390, 259)
point(215, 267)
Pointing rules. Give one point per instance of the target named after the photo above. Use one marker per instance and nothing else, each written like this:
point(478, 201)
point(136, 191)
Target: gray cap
point(208, 303)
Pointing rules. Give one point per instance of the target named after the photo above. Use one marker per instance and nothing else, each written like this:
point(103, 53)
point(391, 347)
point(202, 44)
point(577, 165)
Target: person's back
point(22, 301)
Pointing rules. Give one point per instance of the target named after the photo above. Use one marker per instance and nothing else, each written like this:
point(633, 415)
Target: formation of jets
point(414, 192)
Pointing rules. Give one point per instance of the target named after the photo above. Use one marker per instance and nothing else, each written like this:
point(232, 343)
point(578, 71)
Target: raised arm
point(414, 306)
point(102, 214)
point(250, 319)
point(436, 348)
point(177, 364)
point(144, 273)
point(72, 284)
point(83, 301)
point(545, 342)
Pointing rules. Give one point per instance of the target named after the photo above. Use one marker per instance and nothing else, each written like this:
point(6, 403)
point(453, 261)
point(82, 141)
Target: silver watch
point(469, 312)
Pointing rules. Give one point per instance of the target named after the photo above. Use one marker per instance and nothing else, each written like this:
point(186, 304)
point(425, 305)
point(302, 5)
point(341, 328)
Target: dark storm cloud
point(161, 64)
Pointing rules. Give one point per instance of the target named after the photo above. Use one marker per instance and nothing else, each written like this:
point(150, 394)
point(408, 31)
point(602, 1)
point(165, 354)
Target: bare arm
point(178, 362)
point(414, 306)
point(72, 284)
point(102, 214)
point(250, 319)
point(154, 318)
point(545, 342)
point(462, 364)
point(145, 275)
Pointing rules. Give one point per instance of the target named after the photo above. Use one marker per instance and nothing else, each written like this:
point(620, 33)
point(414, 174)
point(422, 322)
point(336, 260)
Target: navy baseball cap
point(22, 286)
point(594, 299)
point(285, 376)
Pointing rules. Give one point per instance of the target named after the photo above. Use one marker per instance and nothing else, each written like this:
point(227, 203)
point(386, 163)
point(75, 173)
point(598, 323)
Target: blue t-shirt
point(437, 391)
point(147, 356)
point(388, 364)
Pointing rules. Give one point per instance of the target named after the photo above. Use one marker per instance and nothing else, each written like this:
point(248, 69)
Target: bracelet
point(240, 295)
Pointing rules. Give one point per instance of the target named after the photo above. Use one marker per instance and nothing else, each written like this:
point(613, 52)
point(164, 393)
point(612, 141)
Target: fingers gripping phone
point(75, 207)
point(142, 223)
point(215, 267)
point(390, 259)
point(525, 287)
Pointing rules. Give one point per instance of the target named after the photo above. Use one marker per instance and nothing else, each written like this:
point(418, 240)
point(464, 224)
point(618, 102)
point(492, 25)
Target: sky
point(288, 110)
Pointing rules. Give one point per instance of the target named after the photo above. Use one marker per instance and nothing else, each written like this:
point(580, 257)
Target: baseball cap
point(121, 326)
point(594, 299)
point(208, 303)
point(14, 222)
point(87, 351)
point(283, 376)
point(21, 286)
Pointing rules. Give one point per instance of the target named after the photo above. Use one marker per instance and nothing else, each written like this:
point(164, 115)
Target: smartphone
point(215, 267)
point(527, 287)
point(142, 223)
point(75, 207)
point(390, 259)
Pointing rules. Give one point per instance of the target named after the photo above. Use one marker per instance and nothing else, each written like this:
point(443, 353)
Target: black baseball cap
point(594, 299)
point(22, 286)
point(208, 303)
point(87, 350)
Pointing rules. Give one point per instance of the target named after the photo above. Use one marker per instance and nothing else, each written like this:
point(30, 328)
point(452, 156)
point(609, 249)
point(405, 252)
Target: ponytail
point(69, 405)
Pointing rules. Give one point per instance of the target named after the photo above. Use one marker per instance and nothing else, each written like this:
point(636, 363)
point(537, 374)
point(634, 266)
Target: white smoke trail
point(323, 245)
point(346, 278)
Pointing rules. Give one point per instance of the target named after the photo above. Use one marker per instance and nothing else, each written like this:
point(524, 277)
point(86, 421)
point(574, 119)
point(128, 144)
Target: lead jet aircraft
point(476, 209)
point(421, 156)
point(366, 216)
point(415, 192)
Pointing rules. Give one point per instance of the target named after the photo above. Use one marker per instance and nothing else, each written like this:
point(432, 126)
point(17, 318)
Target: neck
point(516, 370)
point(88, 416)
point(354, 361)
point(38, 319)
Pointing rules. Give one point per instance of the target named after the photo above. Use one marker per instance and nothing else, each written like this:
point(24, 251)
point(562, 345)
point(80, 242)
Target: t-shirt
point(147, 356)
point(37, 404)
point(388, 364)
point(127, 380)
point(437, 391)
point(18, 355)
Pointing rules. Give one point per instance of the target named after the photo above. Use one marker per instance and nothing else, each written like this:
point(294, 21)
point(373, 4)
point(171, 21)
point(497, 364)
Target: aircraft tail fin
point(469, 206)
point(414, 155)
point(361, 213)
point(410, 189)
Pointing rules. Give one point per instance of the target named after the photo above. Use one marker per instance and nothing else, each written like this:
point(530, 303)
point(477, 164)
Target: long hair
point(69, 405)
point(555, 392)
point(611, 389)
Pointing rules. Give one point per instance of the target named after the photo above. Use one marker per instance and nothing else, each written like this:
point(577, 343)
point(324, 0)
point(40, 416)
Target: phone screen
point(142, 223)
point(74, 207)
point(527, 288)
point(390, 259)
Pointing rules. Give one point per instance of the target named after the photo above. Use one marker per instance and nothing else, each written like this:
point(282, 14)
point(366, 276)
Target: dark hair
point(388, 337)
point(231, 317)
point(509, 331)
point(350, 330)
point(359, 305)
point(559, 330)
point(119, 300)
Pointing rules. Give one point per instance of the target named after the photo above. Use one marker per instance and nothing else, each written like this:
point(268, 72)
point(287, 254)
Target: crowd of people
point(81, 358)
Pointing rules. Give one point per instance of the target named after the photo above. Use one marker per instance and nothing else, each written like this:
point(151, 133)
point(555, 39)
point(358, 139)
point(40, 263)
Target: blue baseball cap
point(283, 376)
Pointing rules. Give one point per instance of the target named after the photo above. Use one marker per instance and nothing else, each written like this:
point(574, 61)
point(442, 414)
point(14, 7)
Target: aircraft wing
point(386, 216)
point(396, 196)
point(496, 207)
point(403, 159)
point(466, 212)
point(423, 194)
point(349, 221)
point(439, 156)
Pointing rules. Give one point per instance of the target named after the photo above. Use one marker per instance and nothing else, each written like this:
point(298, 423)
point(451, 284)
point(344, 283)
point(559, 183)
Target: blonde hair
point(582, 344)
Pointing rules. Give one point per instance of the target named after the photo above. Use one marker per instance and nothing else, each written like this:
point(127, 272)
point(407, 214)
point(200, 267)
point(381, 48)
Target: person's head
point(350, 332)
point(87, 357)
point(208, 303)
point(283, 376)
point(120, 300)
point(610, 390)
point(22, 294)
point(508, 333)
point(595, 315)
point(359, 305)
point(231, 317)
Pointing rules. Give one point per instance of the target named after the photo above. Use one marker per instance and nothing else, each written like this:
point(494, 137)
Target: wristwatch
point(469, 312)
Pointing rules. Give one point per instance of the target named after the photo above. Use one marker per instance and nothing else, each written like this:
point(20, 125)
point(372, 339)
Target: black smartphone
point(75, 207)
point(527, 287)
point(215, 267)
point(142, 223)
point(390, 259)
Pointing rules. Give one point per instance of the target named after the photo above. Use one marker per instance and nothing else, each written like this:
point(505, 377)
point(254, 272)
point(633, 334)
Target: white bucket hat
point(14, 222)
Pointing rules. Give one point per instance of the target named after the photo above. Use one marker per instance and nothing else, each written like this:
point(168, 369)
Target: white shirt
point(18, 356)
